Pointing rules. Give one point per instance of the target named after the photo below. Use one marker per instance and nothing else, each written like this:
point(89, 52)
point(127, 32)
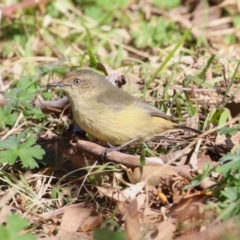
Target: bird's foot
point(110, 148)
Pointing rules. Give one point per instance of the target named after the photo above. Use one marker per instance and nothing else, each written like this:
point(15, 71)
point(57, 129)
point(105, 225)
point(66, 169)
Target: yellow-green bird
point(110, 114)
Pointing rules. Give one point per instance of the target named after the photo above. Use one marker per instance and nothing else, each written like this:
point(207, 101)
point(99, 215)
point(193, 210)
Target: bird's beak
point(57, 84)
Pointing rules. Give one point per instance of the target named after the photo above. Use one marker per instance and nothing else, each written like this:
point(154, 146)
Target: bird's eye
point(77, 81)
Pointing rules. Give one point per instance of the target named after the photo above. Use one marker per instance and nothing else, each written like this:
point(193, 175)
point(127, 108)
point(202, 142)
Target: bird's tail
point(188, 129)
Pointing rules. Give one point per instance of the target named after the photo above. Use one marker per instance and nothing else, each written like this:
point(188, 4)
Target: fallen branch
point(134, 160)
point(115, 156)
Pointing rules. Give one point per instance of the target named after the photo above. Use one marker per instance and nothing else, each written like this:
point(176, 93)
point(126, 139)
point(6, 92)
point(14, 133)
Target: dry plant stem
point(193, 89)
point(86, 177)
point(14, 130)
point(4, 199)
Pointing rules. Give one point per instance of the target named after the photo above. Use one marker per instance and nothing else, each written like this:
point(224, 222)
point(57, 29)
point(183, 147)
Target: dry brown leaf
point(72, 219)
point(192, 122)
point(186, 206)
point(142, 173)
point(75, 218)
point(93, 220)
point(132, 219)
point(225, 144)
point(165, 231)
point(74, 236)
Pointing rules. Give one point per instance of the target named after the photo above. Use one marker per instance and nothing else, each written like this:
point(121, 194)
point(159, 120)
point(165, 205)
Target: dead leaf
point(75, 236)
point(186, 207)
point(132, 219)
point(192, 122)
point(165, 231)
point(93, 220)
point(75, 218)
point(147, 172)
point(225, 144)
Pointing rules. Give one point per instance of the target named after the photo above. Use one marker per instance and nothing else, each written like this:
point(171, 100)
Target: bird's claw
point(109, 149)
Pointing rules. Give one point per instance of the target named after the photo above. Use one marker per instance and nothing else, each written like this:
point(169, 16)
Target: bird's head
point(81, 82)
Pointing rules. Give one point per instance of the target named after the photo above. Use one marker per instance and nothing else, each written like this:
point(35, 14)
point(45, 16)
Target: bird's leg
point(111, 148)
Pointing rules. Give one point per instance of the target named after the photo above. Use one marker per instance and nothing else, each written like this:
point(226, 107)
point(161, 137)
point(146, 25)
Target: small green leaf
point(28, 142)
point(224, 117)
point(167, 4)
point(231, 163)
point(236, 21)
point(20, 97)
point(15, 224)
point(53, 68)
point(231, 193)
point(229, 130)
point(34, 113)
point(29, 83)
point(25, 151)
point(47, 95)
point(7, 117)
point(93, 61)
point(202, 74)
point(8, 156)
point(93, 12)
point(108, 234)
point(201, 82)
point(8, 143)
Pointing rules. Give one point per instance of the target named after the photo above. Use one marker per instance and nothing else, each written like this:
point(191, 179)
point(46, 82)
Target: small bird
point(110, 114)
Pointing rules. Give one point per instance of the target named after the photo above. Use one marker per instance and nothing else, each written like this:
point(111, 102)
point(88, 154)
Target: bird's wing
point(153, 111)
point(117, 99)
